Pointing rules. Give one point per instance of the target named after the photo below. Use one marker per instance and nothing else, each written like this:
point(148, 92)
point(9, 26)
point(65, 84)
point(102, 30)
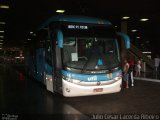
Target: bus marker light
point(109, 75)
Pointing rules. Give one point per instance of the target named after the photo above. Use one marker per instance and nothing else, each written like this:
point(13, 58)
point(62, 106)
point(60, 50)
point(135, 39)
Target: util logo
point(93, 78)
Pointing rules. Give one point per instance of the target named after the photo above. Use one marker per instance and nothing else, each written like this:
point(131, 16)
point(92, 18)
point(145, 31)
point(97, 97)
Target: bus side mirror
point(60, 38)
point(125, 38)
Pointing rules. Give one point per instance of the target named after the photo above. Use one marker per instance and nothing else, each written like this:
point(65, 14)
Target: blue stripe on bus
point(91, 77)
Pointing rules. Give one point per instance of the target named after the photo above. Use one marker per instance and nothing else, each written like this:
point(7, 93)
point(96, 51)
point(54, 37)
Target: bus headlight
point(118, 78)
point(71, 80)
point(67, 79)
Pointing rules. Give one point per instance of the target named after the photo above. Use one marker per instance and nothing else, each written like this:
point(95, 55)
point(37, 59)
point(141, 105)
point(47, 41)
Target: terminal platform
point(27, 99)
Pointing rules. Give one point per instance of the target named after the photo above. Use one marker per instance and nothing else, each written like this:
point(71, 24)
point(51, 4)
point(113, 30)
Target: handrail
point(138, 53)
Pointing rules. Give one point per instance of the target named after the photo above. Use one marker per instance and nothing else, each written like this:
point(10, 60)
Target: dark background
point(24, 16)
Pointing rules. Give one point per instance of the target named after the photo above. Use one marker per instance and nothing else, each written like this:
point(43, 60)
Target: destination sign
point(77, 27)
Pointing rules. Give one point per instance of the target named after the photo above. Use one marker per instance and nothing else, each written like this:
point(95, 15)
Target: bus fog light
point(67, 89)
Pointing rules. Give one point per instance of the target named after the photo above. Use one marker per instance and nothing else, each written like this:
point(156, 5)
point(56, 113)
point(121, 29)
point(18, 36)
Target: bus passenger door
point(56, 63)
point(58, 69)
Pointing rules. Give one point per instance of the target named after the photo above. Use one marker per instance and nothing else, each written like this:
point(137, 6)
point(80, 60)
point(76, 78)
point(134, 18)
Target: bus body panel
point(40, 61)
point(30, 65)
point(48, 69)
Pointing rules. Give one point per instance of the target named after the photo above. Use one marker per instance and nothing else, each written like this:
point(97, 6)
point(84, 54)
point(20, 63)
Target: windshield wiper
point(85, 66)
point(91, 59)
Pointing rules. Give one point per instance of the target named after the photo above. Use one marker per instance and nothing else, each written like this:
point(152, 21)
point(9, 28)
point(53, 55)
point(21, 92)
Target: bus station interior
point(22, 96)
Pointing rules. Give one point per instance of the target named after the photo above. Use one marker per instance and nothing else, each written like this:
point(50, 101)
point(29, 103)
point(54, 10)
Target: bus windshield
point(90, 54)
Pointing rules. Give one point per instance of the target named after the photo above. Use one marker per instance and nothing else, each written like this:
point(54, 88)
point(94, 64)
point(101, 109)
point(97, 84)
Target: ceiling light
point(2, 23)
point(147, 52)
point(1, 43)
point(1, 31)
point(147, 41)
point(1, 40)
point(138, 37)
point(134, 30)
point(60, 11)
point(4, 6)
point(125, 17)
point(1, 36)
point(144, 19)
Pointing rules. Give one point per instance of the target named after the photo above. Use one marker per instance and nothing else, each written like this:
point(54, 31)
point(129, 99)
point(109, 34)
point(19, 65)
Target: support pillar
point(122, 44)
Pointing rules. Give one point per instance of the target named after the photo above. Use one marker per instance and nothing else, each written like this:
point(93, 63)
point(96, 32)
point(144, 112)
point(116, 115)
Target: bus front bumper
point(72, 90)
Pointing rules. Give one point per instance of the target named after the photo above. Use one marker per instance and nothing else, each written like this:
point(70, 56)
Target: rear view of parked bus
point(79, 56)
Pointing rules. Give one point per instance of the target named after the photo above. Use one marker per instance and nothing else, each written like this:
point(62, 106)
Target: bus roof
point(77, 19)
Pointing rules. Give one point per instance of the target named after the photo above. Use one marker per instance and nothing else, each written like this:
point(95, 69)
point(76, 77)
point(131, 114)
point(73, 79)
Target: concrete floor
point(27, 98)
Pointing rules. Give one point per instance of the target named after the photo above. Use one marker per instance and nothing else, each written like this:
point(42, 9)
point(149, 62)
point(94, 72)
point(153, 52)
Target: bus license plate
point(98, 90)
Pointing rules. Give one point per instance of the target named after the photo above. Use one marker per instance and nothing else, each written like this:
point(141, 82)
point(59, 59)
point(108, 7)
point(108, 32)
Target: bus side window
point(69, 47)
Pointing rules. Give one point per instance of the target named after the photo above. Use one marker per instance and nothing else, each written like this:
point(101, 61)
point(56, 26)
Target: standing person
point(125, 72)
point(138, 68)
point(131, 68)
point(156, 63)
